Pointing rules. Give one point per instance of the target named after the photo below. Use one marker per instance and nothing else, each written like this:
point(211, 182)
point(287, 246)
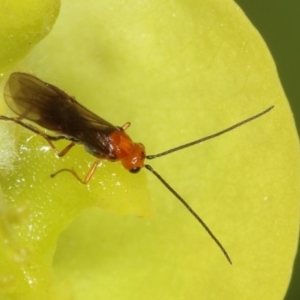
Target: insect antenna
point(148, 167)
point(209, 137)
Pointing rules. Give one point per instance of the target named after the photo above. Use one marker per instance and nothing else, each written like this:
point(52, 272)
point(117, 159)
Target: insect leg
point(87, 177)
point(126, 125)
point(48, 138)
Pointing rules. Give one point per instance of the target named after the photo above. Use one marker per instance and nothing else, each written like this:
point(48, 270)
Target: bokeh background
point(278, 21)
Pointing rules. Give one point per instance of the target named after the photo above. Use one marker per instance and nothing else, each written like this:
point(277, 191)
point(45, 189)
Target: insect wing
point(47, 105)
point(53, 109)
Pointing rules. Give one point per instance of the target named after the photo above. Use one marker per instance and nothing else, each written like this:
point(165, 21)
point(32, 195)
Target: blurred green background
point(278, 21)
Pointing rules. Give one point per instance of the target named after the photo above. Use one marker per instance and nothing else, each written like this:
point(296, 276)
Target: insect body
point(51, 108)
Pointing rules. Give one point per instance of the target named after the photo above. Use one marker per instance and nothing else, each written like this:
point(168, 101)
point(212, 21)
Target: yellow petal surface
point(177, 71)
point(22, 25)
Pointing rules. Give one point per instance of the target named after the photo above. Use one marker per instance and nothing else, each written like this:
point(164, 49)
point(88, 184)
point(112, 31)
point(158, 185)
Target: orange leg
point(87, 177)
point(48, 138)
point(63, 151)
point(126, 125)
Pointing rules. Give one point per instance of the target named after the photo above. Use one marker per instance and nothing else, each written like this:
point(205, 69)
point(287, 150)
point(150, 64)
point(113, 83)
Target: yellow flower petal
point(177, 71)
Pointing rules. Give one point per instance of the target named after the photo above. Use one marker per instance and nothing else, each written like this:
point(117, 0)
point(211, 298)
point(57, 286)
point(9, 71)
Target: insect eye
point(134, 170)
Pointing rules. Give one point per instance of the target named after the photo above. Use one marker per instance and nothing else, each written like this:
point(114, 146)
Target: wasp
point(46, 105)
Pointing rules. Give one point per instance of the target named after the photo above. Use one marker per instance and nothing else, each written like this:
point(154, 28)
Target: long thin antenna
point(148, 167)
point(209, 137)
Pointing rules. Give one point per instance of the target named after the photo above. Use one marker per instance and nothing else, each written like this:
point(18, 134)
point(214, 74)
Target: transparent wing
point(53, 109)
